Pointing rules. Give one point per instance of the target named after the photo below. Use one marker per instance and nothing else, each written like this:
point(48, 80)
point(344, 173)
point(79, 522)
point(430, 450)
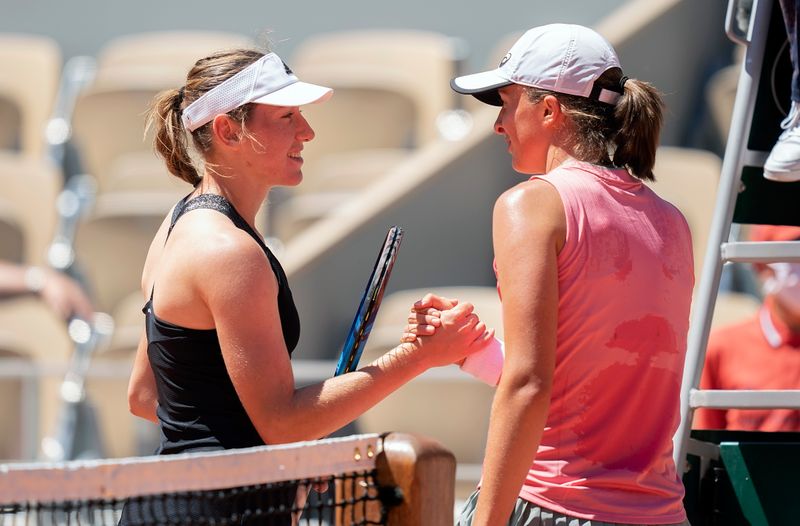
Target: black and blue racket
point(370, 303)
point(361, 327)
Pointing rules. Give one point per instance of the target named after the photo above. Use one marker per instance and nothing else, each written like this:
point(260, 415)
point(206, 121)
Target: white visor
point(266, 81)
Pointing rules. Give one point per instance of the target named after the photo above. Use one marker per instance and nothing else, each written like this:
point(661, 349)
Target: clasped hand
point(438, 321)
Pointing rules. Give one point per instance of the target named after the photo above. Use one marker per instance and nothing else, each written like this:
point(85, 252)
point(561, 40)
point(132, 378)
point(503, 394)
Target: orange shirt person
point(762, 352)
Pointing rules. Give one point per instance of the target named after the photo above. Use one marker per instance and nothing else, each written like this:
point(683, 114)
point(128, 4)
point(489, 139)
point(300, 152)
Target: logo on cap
point(287, 68)
point(505, 59)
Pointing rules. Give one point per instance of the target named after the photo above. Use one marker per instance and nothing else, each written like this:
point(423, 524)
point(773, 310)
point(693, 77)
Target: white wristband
point(487, 364)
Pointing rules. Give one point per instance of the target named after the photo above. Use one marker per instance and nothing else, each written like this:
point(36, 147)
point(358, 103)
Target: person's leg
point(783, 163)
point(790, 8)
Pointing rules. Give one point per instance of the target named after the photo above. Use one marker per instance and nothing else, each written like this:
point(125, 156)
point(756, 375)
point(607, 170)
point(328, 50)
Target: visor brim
point(483, 86)
point(296, 94)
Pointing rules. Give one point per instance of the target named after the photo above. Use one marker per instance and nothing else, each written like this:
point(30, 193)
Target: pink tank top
point(625, 279)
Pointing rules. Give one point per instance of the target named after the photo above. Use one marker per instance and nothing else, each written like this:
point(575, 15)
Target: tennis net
point(352, 479)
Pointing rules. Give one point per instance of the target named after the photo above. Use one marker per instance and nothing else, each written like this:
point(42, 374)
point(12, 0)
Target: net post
point(424, 470)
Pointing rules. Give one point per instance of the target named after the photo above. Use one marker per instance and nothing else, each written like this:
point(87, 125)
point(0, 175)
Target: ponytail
point(623, 135)
point(638, 116)
point(171, 139)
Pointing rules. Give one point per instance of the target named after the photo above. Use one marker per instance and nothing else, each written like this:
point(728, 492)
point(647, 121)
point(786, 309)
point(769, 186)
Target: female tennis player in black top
point(213, 368)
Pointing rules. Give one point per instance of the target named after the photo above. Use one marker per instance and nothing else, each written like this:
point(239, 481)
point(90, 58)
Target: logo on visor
point(505, 59)
point(287, 68)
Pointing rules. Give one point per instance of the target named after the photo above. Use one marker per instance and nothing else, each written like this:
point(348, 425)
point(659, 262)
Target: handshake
point(456, 332)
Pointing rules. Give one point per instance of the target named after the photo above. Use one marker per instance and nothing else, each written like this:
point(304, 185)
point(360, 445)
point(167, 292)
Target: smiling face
point(274, 146)
point(526, 127)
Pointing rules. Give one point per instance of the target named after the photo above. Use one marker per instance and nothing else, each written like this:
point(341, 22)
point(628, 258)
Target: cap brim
point(483, 86)
point(296, 94)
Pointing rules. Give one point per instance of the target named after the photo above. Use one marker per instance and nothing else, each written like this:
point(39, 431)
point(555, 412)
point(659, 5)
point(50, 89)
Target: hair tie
point(622, 82)
point(176, 103)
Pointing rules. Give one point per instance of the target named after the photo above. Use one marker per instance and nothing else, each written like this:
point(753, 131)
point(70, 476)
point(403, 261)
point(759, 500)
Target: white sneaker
point(783, 163)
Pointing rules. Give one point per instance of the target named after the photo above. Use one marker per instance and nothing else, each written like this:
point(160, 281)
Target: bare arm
point(142, 395)
point(245, 312)
point(60, 292)
point(529, 229)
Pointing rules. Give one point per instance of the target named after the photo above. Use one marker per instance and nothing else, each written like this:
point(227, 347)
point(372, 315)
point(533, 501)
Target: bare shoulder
point(211, 238)
point(221, 256)
point(531, 206)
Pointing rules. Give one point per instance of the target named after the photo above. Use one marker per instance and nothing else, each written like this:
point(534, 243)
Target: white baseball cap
point(565, 58)
point(266, 81)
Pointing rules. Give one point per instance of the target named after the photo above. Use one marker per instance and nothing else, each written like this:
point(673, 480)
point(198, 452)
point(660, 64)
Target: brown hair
point(165, 114)
point(624, 135)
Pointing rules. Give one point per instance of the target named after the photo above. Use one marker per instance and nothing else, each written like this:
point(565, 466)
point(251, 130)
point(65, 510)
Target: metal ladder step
point(760, 251)
point(744, 399)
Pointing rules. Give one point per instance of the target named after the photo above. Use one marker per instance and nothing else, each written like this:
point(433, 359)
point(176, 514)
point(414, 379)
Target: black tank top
point(198, 408)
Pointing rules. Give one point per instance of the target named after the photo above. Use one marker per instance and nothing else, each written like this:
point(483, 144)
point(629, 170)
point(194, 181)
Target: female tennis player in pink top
point(595, 274)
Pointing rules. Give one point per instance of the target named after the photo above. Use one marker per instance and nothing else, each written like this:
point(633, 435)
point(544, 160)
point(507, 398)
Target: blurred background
point(83, 193)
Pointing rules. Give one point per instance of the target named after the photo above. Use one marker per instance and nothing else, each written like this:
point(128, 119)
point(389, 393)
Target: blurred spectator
point(762, 352)
point(60, 292)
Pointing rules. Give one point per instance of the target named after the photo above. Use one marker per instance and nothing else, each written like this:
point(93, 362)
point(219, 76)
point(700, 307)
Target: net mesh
point(200, 489)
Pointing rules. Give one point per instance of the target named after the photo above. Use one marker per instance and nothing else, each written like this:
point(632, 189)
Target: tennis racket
point(370, 303)
point(361, 327)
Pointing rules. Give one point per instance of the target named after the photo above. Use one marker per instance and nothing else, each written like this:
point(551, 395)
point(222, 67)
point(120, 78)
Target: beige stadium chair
point(379, 114)
point(143, 172)
point(31, 66)
point(445, 404)
point(39, 337)
point(10, 124)
point(381, 63)
point(12, 237)
point(688, 179)
point(112, 242)
point(131, 71)
point(170, 53)
point(12, 401)
point(107, 388)
point(336, 178)
point(28, 213)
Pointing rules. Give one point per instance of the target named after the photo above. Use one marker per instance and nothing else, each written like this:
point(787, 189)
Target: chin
point(292, 180)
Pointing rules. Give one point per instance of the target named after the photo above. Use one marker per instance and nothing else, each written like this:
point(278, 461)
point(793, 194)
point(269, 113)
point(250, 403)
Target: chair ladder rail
point(720, 250)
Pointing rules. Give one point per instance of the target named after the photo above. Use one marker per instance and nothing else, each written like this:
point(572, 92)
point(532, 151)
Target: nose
point(305, 132)
point(498, 124)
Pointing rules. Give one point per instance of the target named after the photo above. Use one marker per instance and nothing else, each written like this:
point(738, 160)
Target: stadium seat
point(380, 112)
point(388, 63)
point(11, 124)
point(131, 71)
point(28, 212)
point(28, 87)
point(32, 334)
point(112, 242)
point(12, 401)
point(166, 54)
